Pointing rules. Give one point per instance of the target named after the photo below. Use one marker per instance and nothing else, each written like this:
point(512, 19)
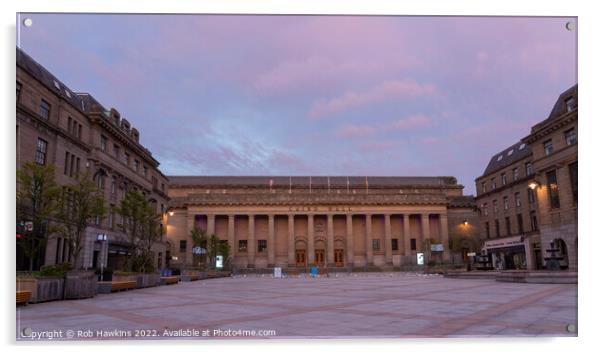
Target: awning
point(504, 242)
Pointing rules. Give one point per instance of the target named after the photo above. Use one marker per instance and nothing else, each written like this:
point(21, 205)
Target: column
point(231, 237)
point(311, 253)
point(349, 244)
point(445, 236)
point(291, 240)
point(426, 231)
point(271, 239)
point(406, 235)
point(388, 246)
point(251, 242)
point(210, 224)
point(330, 246)
point(529, 255)
point(369, 260)
point(188, 255)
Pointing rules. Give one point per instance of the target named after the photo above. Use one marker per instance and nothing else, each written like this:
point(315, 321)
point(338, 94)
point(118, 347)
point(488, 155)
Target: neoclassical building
point(326, 221)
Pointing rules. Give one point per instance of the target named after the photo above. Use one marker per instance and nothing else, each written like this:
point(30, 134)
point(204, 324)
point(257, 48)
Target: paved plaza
point(380, 305)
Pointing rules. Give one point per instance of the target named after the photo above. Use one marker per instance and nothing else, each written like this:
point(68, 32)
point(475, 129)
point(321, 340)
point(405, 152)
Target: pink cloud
point(397, 89)
point(355, 131)
point(412, 122)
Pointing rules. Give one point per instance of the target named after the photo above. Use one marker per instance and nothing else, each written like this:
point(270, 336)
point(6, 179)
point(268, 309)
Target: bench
point(123, 285)
point(23, 296)
point(292, 271)
point(224, 273)
point(212, 274)
point(170, 280)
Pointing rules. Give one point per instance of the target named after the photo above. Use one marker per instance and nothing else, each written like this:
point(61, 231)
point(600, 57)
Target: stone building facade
point(527, 196)
point(325, 221)
point(75, 133)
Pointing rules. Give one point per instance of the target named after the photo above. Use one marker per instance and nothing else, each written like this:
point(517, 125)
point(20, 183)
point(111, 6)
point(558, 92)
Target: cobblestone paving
point(380, 305)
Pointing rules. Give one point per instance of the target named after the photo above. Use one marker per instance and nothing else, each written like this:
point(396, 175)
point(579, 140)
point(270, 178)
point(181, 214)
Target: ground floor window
point(242, 245)
point(394, 244)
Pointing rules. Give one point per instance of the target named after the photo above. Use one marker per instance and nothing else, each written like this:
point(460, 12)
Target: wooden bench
point(292, 271)
point(123, 285)
point(224, 273)
point(23, 296)
point(170, 280)
point(195, 277)
point(212, 274)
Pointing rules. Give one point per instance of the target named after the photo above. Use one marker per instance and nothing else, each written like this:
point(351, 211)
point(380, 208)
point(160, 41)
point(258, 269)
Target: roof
point(51, 82)
point(316, 181)
point(559, 107)
point(507, 157)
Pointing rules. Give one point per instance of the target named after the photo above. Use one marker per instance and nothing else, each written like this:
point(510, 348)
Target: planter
point(42, 289)
point(146, 280)
point(80, 284)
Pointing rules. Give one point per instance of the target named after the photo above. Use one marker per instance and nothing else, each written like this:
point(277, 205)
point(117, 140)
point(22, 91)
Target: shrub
point(57, 270)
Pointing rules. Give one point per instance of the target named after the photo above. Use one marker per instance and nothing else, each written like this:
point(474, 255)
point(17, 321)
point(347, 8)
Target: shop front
point(507, 253)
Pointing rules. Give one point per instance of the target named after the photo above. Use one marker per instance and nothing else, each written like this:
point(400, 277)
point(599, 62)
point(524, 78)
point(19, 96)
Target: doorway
point(338, 258)
point(319, 258)
point(300, 258)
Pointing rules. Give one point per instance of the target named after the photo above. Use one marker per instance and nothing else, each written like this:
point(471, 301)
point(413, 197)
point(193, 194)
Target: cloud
point(412, 122)
point(396, 89)
point(355, 131)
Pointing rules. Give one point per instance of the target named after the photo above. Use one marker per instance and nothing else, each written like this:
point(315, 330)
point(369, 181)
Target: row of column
point(330, 236)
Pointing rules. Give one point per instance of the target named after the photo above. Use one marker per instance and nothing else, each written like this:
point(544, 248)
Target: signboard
point(437, 247)
point(198, 250)
point(471, 254)
point(505, 242)
point(277, 272)
point(219, 261)
point(101, 237)
point(29, 226)
point(420, 258)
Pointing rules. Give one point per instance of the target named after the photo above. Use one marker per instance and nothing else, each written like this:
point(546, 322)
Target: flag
point(309, 184)
point(366, 184)
point(271, 184)
point(328, 184)
point(347, 184)
point(290, 185)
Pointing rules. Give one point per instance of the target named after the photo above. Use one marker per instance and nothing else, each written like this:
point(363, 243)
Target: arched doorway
point(300, 253)
point(560, 245)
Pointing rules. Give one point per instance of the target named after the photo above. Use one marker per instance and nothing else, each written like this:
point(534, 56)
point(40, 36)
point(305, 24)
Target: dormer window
point(499, 158)
point(570, 104)
point(510, 152)
point(522, 146)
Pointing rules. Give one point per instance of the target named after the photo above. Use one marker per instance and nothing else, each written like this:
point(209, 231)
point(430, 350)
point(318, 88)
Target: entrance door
point(338, 258)
point(300, 258)
point(320, 257)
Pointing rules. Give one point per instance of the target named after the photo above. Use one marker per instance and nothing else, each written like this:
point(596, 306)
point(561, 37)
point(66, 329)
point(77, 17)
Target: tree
point(224, 250)
point(142, 227)
point(79, 204)
point(199, 239)
point(213, 249)
point(37, 193)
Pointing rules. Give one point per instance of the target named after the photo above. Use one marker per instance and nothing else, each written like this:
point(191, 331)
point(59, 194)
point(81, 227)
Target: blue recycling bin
point(314, 271)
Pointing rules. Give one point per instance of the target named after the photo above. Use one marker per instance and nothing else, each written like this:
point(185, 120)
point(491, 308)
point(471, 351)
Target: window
point(413, 244)
point(375, 245)
point(72, 166)
point(126, 159)
point(44, 109)
point(499, 158)
point(505, 203)
point(493, 186)
point(522, 146)
point(41, 150)
point(510, 152)
point(519, 221)
point(515, 174)
point(145, 171)
point(101, 182)
point(529, 168)
point(483, 187)
point(573, 177)
point(103, 143)
point(504, 179)
point(113, 185)
point(517, 199)
point(183, 246)
point(494, 206)
point(485, 209)
point(262, 245)
point(163, 187)
point(242, 245)
point(18, 90)
point(547, 147)
point(570, 104)
point(508, 229)
point(116, 151)
point(497, 228)
point(154, 181)
point(79, 131)
point(77, 160)
point(487, 233)
point(531, 195)
point(111, 217)
point(136, 165)
point(553, 189)
point(69, 124)
point(66, 167)
point(533, 217)
point(570, 136)
point(394, 244)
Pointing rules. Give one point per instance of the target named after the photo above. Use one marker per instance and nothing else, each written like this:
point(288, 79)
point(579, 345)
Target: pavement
point(359, 305)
